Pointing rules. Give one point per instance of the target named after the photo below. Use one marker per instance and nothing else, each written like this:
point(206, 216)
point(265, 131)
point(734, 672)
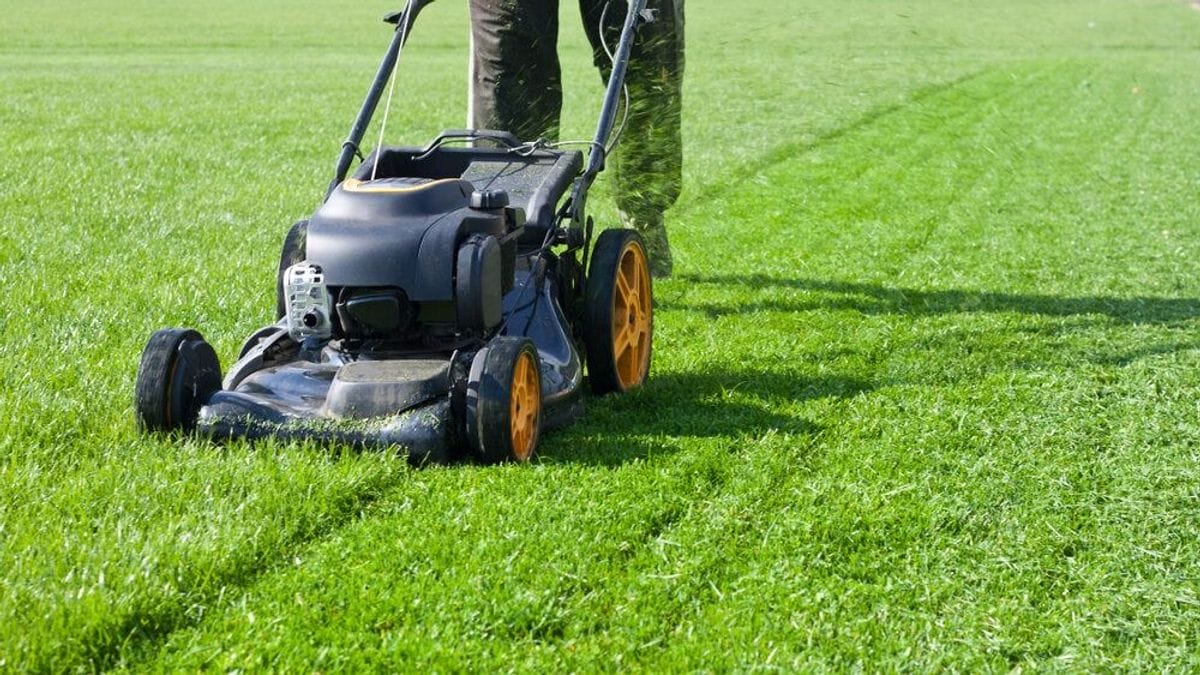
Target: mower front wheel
point(504, 401)
point(178, 372)
point(619, 313)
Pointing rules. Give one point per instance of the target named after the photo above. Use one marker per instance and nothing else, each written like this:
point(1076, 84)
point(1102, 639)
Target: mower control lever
point(404, 23)
point(502, 137)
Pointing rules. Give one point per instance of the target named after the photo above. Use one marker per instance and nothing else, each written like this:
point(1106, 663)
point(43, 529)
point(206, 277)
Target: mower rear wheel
point(504, 401)
point(295, 246)
point(619, 313)
point(178, 372)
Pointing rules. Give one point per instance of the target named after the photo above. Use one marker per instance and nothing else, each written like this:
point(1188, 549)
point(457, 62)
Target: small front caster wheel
point(178, 373)
point(504, 401)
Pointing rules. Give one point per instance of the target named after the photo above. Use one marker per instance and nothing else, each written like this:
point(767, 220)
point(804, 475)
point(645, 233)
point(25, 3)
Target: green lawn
point(925, 388)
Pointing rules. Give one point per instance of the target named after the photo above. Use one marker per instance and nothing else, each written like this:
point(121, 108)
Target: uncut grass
point(923, 389)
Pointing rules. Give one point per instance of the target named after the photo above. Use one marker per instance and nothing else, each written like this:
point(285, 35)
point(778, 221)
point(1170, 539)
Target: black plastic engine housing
point(395, 233)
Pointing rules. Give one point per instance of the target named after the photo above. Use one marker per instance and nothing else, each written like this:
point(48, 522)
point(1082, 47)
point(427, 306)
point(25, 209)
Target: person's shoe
point(658, 248)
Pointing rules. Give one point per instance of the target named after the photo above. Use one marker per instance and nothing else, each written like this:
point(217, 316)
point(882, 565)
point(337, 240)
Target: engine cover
point(399, 233)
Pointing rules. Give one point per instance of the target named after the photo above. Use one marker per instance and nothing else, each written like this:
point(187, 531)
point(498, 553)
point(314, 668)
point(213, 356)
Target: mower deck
point(413, 403)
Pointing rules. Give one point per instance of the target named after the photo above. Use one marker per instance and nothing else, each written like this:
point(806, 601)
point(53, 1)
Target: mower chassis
point(419, 410)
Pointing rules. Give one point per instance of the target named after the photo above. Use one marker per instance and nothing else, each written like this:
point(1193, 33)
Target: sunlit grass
point(924, 386)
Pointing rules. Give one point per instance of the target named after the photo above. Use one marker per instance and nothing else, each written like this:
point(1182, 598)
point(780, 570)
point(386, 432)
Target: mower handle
point(635, 16)
point(404, 21)
point(394, 17)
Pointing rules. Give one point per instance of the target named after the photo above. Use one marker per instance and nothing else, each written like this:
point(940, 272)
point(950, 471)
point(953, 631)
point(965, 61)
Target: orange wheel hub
point(526, 403)
point(632, 312)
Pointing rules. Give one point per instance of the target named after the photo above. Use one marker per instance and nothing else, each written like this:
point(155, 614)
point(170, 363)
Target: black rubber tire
point(294, 251)
point(178, 372)
point(599, 332)
point(489, 401)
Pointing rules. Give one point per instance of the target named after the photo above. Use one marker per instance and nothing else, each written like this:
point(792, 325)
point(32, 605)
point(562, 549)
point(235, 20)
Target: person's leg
point(648, 162)
point(515, 81)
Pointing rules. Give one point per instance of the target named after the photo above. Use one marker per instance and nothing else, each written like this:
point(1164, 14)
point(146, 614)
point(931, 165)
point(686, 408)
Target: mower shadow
point(674, 407)
point(874, 299)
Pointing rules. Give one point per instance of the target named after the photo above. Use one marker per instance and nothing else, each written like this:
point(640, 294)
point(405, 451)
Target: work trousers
point(516, 86)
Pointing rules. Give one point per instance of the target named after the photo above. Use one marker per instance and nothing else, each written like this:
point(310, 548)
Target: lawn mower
point(442, 300)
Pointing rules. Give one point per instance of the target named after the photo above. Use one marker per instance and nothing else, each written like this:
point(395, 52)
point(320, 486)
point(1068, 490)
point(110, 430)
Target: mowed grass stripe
point(832, 197)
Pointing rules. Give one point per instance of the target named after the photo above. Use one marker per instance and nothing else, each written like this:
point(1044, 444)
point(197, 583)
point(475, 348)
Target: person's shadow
point(877, 299)
point(674, 406)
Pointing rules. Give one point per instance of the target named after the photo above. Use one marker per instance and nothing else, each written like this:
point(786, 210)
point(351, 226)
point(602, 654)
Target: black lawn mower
point(440, 301)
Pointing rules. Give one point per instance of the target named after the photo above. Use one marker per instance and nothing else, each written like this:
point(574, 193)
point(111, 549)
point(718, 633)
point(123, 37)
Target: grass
point(925, 384)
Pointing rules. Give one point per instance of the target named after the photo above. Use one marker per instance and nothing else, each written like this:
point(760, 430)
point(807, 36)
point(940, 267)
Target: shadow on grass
point(879, 299)
point(676, 407)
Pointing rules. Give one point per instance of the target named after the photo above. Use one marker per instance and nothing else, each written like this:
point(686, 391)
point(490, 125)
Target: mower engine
point(405, 262)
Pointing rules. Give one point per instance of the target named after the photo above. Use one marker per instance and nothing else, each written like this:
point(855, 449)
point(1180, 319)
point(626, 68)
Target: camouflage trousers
point(516, 86)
